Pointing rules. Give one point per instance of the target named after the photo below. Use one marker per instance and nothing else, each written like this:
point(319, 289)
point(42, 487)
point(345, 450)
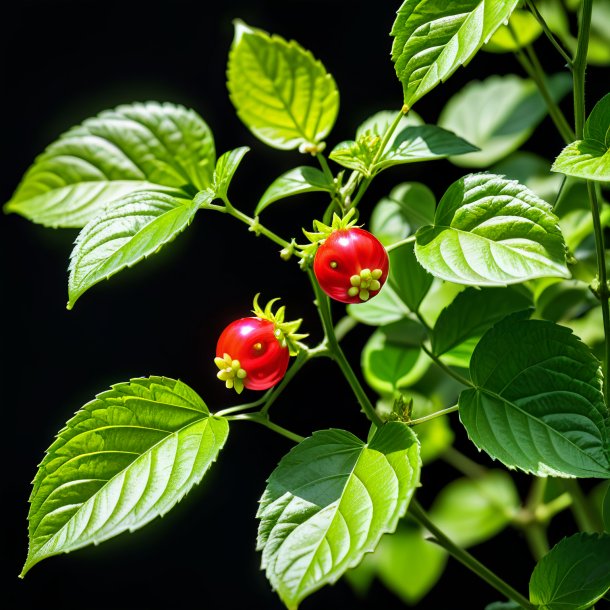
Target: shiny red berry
point(351, 265)
point(249, 355)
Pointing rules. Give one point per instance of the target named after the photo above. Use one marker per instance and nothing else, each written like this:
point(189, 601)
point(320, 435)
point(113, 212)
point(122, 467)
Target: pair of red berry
point(351, 265)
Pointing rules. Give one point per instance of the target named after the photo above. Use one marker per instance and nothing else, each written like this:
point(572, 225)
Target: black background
point(63, 61)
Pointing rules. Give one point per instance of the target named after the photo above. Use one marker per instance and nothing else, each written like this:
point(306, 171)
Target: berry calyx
point(254, 352)
point(351, 265)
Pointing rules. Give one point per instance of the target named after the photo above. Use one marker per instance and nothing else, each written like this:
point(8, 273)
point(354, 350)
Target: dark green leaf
point(537, 403)
point(471, 511)
point(498, 114)
point(606, 510)
point(408, 278)
point(589, 158)
point(299, 180)
point(329, 501)
point(140, 147)
point(503, 606)
point(574, 574)
point(489, 231)
point(432, 39)
point(281, 92)
point(472, 312)
point(124, 458)
point(133, 228)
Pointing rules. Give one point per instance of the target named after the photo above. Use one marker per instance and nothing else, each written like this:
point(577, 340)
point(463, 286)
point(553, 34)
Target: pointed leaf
point(432, 39)
point(589, 158)
point(328, 503)
point(574, 574)
point(281, 92)
point(498, 114)
point(472, 313)
point(408, 278)
point(299, 180)
point(489, 231)
point(537, 403)
point(124, 458)
point(225, 170)
point(137, 147)
point(135, 227)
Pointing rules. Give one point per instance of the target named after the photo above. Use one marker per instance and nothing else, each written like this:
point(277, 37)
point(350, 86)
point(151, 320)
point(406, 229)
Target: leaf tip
point(241, 28)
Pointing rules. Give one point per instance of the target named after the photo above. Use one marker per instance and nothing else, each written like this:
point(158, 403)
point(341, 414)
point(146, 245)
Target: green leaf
point(385, 308)
point(537, 403)
point(589, 158)
point(299, 180)
point(328, 503)
point(606, 510)
point(432, 39)
point(408, 564)
point(133, 228)
point(471, 511)
point(408, 206)
point(565, 300)
point(471, 313)
point(498, 114)
point(407, 277)
point(524, 29)
point(124, 458)
point(489, 231)
point(390, 366)
point(411, 145)
point(574, 574)
point(503, 606)
point(280, 91)
point(225, 170)
point(139, 147)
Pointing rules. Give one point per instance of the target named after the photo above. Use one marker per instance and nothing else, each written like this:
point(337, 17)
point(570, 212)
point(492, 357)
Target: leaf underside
point(124, 458)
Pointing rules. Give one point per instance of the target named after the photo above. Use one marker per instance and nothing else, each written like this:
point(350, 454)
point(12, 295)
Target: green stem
point(325, 168)
point(337, 354)
point(258, 229)
point(534, 70)
point(264, 421)
point(245, 406)
point(402, 242)
point(580, 65)
point(425, 418)
point(304, 356)
point(343, 326)
point(547, 511)
point(581, 508)
point(545, 28)
point(463, 464)
point(537, 540)
point(465, 558)
point(384, 142)
point(445, 368)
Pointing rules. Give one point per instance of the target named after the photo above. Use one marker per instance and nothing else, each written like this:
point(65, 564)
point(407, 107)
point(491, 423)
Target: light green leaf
point(385, 308)
point(133, 228)
point(124, 458)
point(498, 114)
point(432, 39)
point(524, 29)
point(589, 158)
point(299, 180)
point(408, 564)
point(472, 312)
point(574, 574)
point(408, 206)
point(407, 277)
point(537, 403)
point(328, 503)
point(225, 170)
point(280, 91)
point(137, 147)
point(411, 145)
point(471, 511)
point(388, 364)
point(461, 354)
point(489, 231)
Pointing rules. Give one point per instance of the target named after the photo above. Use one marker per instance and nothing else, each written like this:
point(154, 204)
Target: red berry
point(249, 355)
point(351, 265)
